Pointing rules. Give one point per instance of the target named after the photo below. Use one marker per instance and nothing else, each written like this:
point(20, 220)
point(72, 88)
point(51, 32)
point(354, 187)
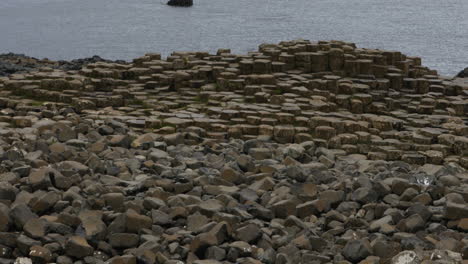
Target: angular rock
point(357, 250)
point(78, 247)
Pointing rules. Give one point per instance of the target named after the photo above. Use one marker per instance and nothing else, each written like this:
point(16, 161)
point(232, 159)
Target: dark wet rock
point(94, 228)
point(5, 220)
point(21, 214)
point(411, 224)
point(126, 259)
point(35, 228)
point(134, 222)
point(78, 247)
point(365, 195)
point(463, 73)
point(123, 240)
point(24, 244)
point(7, 191)
point(40, 254)
point(248, 233)
point(456, 211)
point(357, 250)
point(184, 3)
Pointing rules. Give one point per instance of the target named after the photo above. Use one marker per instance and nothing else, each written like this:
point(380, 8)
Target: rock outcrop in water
point(18, 63)
point(184, 3)
point(301, 152)
point(463, 74)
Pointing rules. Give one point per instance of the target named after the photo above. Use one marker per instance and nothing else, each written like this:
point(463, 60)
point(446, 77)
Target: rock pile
point(299, 153)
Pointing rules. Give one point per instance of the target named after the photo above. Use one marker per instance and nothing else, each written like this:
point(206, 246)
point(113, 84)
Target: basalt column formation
point(302, 152)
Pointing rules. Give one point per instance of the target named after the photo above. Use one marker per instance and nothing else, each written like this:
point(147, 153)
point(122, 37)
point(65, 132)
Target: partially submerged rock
point(463, 73)
point(184, 3)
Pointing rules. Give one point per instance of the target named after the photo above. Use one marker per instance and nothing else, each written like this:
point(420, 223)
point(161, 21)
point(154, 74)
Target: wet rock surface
point(463, 73)
point(183, 3)
point(301, 152)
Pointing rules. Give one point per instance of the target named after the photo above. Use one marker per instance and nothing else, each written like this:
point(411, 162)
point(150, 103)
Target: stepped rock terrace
point(379, 103)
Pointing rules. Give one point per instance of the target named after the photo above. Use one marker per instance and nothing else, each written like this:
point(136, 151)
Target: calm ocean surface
point(435, 30)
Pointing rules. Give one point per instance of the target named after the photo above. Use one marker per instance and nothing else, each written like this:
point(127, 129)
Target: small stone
point(195, 221)
point(371, 260)
point(4, 218)
point(312, 208)
point(7, 191)
point(380, 223)
point(357, 250)
point(247, 195)
point(123, 240)
point(365, 195)
point(40, 178)
point(78, 247)
point(45, 202)
point(40, 254)
point(463, 224)
point(209, 207)
point(20, 214)
point(406, 257)
point(135, 222)
point(294, 151)
point(285, 208)
point(420, 210)
point(248, 233)
point(230, 175)
point(123, 141)
point(150, 203)
point(35, 228)
point(126, 259)
point(408, 194)
point(114, 200)
point(72, 167)
point(455, 211)
point(22, 261)
point(201, 242)
point(260, 153)
point(24, 243)
point(449, 180)
point(411, 224)
point(94, 227)
point(206, 261)
point(64, 132)
point(215, 253)
point(160, 218)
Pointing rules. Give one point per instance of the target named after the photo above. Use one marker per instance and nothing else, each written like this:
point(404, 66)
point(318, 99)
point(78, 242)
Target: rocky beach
point(300, 152)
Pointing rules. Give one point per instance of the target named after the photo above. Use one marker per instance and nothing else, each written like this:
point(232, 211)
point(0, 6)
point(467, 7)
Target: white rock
point(23, 261)
point(406, 257)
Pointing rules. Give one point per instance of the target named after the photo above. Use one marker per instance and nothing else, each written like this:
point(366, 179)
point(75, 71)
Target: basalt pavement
point(302, 152)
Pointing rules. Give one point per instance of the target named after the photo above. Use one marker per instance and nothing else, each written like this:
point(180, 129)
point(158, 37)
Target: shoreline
point(11, 63)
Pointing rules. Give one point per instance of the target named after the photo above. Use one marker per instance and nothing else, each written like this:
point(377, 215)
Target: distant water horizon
point(436, 31)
